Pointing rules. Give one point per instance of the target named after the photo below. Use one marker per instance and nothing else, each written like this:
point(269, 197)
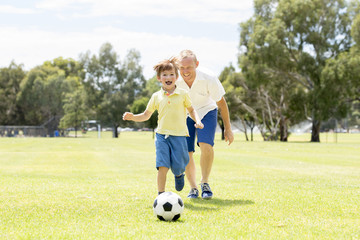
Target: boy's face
point(168, 79)
point(187, 67)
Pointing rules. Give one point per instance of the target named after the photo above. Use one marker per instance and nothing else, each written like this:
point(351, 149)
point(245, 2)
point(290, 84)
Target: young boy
point(171, 103)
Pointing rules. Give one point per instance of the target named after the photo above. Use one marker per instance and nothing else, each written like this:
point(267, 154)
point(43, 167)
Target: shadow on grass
point(214, 203)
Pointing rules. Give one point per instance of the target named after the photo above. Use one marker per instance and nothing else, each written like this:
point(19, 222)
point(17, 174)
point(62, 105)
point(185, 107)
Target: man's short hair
point(185, 54)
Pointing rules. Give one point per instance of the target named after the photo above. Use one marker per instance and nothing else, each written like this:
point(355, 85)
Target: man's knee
point(204, 145)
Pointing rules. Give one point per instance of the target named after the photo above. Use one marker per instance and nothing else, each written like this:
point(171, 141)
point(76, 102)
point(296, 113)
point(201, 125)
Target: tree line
point(299, 61)
point(97, 87)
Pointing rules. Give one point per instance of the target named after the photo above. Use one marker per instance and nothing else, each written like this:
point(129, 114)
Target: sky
point(35, 31)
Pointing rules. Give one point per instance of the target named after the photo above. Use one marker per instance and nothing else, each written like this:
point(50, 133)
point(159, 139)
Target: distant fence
point(23, 131)
point(47, 129)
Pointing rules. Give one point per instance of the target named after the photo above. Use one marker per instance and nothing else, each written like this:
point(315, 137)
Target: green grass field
point(89, 188)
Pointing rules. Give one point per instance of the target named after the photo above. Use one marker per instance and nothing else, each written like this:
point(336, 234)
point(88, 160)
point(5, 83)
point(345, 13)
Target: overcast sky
point(34, 31)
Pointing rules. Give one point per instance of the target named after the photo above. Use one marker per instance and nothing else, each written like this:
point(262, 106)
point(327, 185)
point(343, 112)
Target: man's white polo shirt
point(205, 91)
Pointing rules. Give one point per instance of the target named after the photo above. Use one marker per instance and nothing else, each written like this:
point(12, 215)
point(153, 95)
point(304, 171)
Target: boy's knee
point(163, 169)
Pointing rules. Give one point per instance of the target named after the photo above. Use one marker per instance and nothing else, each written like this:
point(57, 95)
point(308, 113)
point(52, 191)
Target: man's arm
point(224, 112)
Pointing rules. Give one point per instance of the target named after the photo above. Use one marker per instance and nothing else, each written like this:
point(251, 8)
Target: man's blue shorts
point(205, 135)
point(171, 152)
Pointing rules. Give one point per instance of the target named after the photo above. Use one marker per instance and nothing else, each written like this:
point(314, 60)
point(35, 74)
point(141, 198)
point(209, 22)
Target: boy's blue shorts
point(171, 152)
point(205, 135)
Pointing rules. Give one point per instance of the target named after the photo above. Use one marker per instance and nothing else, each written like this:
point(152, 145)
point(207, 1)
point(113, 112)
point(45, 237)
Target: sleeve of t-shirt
point(187, 100)
point(216, 89)
point(151, 106)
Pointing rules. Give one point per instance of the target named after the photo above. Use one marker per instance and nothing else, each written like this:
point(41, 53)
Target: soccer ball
point(168, 206)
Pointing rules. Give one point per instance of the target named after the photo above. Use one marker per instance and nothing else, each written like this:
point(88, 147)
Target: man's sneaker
point(206, 191)
point(179, 182)
point(194, 193)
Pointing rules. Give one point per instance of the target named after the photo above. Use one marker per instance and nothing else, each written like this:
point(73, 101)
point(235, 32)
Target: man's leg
point(206, 161)
point(190, 171)
point(206, 142)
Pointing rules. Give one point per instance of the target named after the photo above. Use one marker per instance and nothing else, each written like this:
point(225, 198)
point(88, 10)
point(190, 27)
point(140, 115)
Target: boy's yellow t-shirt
point(171, 110)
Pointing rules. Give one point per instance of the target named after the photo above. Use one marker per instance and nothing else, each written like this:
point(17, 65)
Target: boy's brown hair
point(167, 64)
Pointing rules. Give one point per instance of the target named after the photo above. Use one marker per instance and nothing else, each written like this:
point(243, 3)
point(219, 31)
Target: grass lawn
point(90, 188)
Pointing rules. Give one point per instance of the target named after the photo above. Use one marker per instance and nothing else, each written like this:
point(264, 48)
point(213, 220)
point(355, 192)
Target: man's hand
point(229, 136)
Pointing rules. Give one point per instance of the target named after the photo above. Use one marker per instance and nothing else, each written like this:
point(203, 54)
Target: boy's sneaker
point(179, 182)
point(206, 191)
point(194, 193)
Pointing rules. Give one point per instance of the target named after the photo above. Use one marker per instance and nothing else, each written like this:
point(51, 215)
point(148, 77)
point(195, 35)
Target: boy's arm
point(194, 115)
point(141, 117)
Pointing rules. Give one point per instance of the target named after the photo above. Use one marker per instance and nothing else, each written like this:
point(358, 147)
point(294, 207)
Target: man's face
point(187, 68)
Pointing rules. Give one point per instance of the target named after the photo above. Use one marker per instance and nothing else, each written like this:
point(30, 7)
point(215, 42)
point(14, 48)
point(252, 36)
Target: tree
point(285, 45)
point(42, 92)
point(253, 106)
point(70, 67)
point(139, 105)
point(152, 85)
point(111, 86)
point(74, 110)
point(343, 73)
point(231, 80)
point(10, 79)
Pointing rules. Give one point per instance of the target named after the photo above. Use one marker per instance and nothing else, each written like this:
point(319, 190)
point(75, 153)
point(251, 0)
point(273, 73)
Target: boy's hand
point(128, 116)
point(199, 125)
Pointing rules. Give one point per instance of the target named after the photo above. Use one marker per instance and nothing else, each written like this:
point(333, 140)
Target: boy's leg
point(162, 160)
point(179, 159)
point(161, 178)
point(179, 156)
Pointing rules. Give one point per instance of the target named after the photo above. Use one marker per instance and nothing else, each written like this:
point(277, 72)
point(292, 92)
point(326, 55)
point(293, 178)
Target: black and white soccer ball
point(168, 206)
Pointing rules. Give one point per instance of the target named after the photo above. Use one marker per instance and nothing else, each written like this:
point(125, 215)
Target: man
point(207, 96)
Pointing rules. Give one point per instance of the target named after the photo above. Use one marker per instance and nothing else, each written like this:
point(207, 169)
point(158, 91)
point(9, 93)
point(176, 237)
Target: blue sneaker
point(179, 182)
point(194, 193)
point(206, 191)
